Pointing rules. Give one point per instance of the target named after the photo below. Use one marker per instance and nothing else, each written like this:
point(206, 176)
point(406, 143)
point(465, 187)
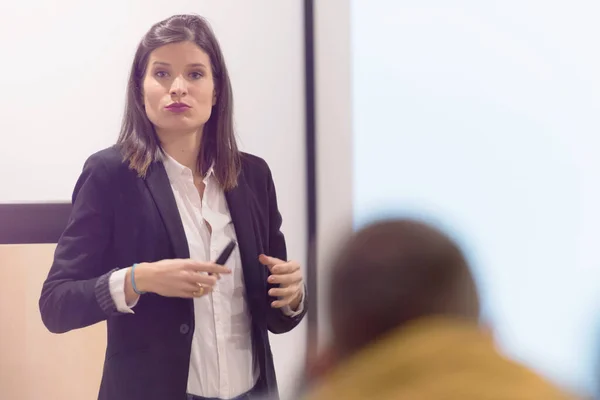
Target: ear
point(214, 100)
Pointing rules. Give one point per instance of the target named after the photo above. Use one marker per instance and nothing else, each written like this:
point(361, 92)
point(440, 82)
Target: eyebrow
point(168, 65)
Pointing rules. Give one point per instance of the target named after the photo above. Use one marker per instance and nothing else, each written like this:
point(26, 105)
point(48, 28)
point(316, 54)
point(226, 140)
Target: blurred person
point(405, 325)
point(150, 216)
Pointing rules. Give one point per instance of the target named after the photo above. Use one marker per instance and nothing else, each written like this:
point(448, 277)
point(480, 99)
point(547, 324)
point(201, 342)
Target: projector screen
point(64, 72)
point(483, 117)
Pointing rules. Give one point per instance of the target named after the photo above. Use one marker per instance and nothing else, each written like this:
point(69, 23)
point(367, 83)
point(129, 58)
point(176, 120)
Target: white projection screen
point(482, 117)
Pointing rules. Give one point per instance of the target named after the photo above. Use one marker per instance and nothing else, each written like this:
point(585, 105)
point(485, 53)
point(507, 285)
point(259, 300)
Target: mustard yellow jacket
point(434, 359)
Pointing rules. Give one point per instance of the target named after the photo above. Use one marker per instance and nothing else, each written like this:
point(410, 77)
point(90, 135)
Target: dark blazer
point(119, 219)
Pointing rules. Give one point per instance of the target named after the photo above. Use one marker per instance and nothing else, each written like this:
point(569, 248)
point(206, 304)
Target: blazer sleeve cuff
point(103, 296)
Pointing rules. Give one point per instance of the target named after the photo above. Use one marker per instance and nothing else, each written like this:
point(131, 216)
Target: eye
point(196, 75)
point(161, 74)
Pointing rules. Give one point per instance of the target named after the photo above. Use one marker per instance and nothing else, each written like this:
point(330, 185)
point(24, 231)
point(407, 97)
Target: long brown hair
point(138, 140)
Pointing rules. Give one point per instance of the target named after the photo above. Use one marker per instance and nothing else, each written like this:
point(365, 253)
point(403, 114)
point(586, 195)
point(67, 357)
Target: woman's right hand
point(174, 278)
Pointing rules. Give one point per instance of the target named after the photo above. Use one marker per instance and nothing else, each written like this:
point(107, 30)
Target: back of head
point(394, 272)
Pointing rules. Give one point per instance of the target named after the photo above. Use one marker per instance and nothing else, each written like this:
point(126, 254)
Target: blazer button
point(184, 329)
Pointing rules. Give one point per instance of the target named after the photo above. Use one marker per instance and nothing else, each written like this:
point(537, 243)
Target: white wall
point(63, 73)
point(334, 140)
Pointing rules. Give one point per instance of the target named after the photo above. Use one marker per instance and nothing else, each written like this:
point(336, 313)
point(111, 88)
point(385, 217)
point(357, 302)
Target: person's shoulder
point(110, 156)
point(254, 165)
point(109, 159)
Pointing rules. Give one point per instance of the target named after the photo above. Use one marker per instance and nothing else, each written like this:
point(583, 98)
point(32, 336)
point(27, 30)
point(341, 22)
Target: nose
point(178, 87)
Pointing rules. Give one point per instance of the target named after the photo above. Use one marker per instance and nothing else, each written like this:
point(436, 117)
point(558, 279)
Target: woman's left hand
point(288, 275)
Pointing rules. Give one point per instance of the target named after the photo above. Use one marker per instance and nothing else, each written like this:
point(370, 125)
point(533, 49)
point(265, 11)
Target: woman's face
point(178, 89)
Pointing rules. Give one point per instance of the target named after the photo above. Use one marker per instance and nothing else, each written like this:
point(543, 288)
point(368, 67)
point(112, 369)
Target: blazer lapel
point(240, 210)
point(160, 188)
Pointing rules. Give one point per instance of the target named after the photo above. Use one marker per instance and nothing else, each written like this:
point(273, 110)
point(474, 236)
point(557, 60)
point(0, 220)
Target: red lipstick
point(177, 107)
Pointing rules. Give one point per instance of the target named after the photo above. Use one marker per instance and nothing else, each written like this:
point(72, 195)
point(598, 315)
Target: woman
point(151, 213)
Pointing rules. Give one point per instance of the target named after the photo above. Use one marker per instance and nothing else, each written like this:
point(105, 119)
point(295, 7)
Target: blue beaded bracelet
point(133, 280)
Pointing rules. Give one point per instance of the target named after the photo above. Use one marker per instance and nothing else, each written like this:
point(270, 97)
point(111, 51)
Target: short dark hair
point(393, 272)
point(138, 140)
